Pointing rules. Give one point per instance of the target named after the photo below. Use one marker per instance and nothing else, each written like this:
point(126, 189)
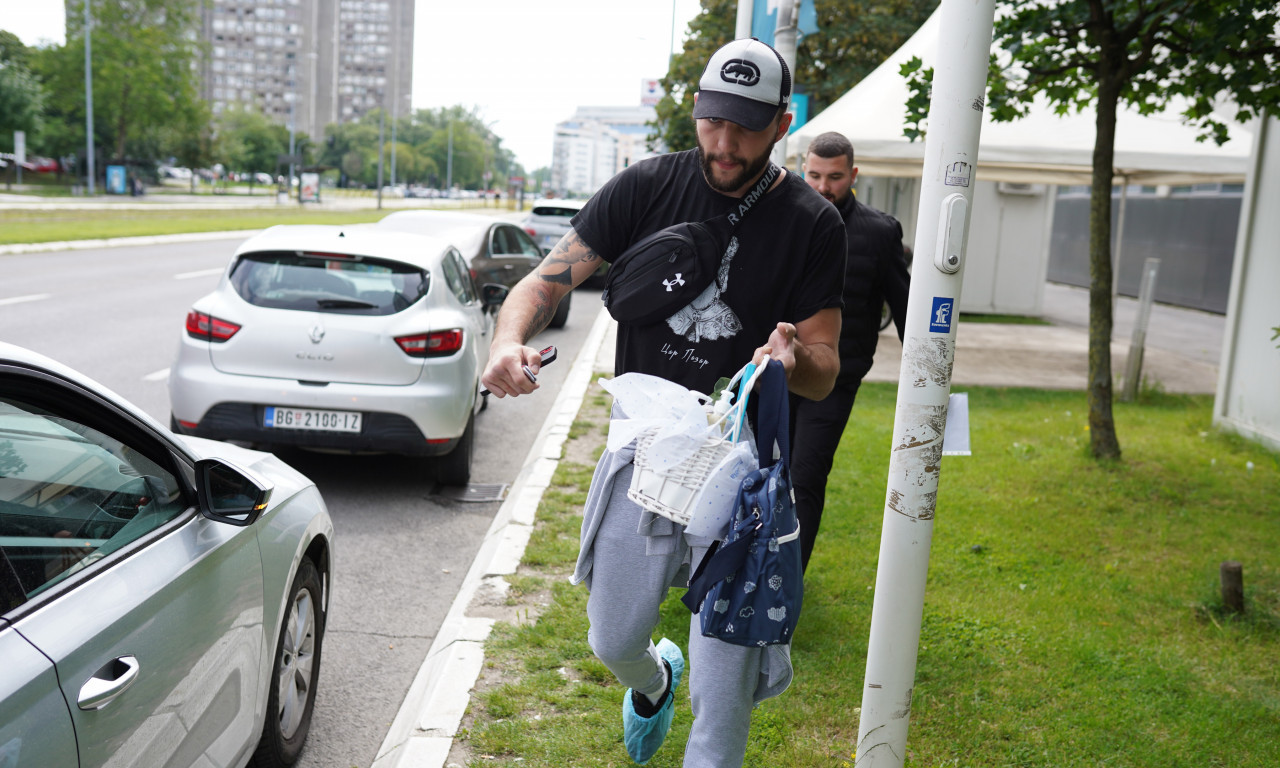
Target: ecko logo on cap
point(740, 72)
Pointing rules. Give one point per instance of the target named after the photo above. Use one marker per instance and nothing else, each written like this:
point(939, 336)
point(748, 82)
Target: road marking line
point(198, 273)
point(160, 375)
point(23, 299)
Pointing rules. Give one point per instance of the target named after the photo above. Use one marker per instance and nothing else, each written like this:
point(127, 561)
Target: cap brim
point(749, 113)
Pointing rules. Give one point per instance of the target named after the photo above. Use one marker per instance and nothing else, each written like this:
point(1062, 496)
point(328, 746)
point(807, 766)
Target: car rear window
point(320, 282)
point(553, 210)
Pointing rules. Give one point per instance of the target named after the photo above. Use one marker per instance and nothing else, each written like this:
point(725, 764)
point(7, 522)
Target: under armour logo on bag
point(673, 282)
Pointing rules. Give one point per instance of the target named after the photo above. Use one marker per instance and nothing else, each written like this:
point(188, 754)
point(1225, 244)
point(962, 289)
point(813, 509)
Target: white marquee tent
point(1043, 147)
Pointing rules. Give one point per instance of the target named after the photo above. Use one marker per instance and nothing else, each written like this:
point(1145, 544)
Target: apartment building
point(596, 143)
point(313, 62)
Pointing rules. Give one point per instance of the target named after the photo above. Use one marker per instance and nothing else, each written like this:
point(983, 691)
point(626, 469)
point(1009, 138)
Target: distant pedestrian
point(875, 273)
point(777, 292)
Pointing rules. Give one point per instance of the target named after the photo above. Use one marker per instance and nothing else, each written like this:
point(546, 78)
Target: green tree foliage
point(21, 105)
point(853, 38)
point(248, 141)
point(13, 50)
point(1197, 55)
point(422, 150)
point(21, 96)
point(145, 84)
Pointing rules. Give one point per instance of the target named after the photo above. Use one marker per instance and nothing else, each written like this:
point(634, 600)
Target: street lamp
point(88, 96)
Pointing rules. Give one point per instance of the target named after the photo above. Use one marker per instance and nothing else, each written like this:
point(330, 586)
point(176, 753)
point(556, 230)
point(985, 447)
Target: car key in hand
point(548, 357)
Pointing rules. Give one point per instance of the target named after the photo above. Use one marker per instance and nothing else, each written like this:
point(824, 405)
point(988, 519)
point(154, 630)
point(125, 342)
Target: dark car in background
point(498, 251)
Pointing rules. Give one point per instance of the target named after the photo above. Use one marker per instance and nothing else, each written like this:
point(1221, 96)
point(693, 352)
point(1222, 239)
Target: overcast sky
point(525, 64)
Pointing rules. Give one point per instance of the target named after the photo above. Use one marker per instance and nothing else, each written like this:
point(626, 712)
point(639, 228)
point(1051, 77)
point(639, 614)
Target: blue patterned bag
point(748, 588)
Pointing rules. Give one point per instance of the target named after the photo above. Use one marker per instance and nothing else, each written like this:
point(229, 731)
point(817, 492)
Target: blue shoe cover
point(643, 735)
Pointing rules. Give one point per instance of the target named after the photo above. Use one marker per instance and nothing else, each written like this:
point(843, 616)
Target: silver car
point(342, 339)
point(162, 599)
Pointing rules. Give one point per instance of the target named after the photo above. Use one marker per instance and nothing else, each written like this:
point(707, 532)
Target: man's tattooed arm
point(544, 306)
point(559, 265)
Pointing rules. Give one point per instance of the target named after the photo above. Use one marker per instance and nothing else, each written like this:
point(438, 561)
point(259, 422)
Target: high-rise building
point(596, 143)
point(314, 62)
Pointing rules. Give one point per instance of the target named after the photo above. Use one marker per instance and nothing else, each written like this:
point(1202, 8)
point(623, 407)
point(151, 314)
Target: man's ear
point(854, 175)
point(783, 125)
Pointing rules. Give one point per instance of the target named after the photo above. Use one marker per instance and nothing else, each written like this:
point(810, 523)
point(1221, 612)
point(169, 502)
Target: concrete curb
point(117, 242)
point(423, 730)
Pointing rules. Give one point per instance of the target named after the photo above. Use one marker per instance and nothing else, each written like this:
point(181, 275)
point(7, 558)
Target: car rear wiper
point(344, 304)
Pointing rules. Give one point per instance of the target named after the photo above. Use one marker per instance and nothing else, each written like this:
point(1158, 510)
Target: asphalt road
point(402, 549)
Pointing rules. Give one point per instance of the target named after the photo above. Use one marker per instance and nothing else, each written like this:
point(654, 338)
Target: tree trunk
point(1102, 425)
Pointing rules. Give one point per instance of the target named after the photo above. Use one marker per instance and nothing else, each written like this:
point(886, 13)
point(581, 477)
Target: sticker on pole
point(940, 321)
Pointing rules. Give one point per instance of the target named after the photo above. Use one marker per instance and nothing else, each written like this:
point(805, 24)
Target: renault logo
point(316, 333)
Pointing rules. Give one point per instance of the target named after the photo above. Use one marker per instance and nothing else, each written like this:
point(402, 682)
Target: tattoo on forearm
point(563, 278)
point(561, 253)
point(544, 306)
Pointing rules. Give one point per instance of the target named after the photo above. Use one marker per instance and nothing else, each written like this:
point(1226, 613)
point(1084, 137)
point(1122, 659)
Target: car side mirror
point(229, 494)
point(493, 294)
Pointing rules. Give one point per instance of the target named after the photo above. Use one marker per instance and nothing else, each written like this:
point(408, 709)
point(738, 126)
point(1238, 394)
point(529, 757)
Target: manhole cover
point(473, 492)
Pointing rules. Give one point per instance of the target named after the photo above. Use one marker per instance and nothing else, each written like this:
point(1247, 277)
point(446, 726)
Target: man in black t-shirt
point(778, 292)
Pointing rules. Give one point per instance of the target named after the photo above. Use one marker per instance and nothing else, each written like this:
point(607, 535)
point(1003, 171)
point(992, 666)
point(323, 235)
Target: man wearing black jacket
point(875, 273)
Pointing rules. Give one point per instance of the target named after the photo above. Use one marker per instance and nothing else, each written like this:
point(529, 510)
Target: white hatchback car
point(548, 220)
point(340, 339)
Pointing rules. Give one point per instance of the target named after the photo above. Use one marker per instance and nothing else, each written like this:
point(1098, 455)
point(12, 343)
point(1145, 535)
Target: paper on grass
point(955, 438)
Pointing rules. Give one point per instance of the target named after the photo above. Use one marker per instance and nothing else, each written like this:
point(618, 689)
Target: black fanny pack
point(663, 273)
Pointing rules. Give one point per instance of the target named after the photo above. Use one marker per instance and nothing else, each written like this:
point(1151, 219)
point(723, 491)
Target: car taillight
point(532, 232)
point(431, 344)
point(209, 328)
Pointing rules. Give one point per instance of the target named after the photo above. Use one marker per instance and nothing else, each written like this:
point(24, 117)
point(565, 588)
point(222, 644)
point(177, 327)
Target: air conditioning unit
point(1011, 188)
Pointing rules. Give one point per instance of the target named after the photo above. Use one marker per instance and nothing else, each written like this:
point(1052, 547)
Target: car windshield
point(326, 282)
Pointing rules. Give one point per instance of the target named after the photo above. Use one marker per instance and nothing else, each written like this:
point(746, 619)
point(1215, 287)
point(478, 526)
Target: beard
point(751, 168)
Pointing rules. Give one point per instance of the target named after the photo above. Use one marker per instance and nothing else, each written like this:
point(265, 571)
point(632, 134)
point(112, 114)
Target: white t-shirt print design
point(707, 317)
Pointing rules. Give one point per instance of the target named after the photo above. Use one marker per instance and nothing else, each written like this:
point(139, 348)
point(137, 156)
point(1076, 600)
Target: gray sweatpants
point(627, 587)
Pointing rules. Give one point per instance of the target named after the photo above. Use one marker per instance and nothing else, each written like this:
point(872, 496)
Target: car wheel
point(562, 312)
point(294, 674)
point(886, 316)
point(454, 468)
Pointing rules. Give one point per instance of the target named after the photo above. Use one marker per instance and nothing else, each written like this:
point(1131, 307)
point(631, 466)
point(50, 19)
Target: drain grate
point(473, 492)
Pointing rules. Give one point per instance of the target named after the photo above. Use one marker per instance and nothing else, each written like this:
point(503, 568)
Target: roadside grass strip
point(1073, 614)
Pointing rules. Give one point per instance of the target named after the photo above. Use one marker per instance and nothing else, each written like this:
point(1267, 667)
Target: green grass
point(978, 317)
point(1072, 616)
point(43, 226)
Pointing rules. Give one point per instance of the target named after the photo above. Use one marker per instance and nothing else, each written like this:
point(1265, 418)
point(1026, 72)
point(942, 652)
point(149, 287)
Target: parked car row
point(163, 596)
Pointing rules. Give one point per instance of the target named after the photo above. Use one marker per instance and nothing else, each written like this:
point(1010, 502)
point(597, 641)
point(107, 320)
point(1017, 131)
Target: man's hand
point(504, 375)
point(807, 351)
point(780, 347)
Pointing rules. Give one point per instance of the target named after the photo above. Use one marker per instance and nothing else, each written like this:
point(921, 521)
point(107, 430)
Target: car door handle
point(109, 682)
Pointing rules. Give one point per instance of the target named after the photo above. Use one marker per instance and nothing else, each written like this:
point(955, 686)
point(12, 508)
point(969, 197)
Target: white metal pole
point(946, 195)
point(784, 41)
point(742, 28)
point(88, 96)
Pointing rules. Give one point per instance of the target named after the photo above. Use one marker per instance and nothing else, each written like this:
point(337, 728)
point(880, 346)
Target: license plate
point(305, 418)
point(550, 240)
